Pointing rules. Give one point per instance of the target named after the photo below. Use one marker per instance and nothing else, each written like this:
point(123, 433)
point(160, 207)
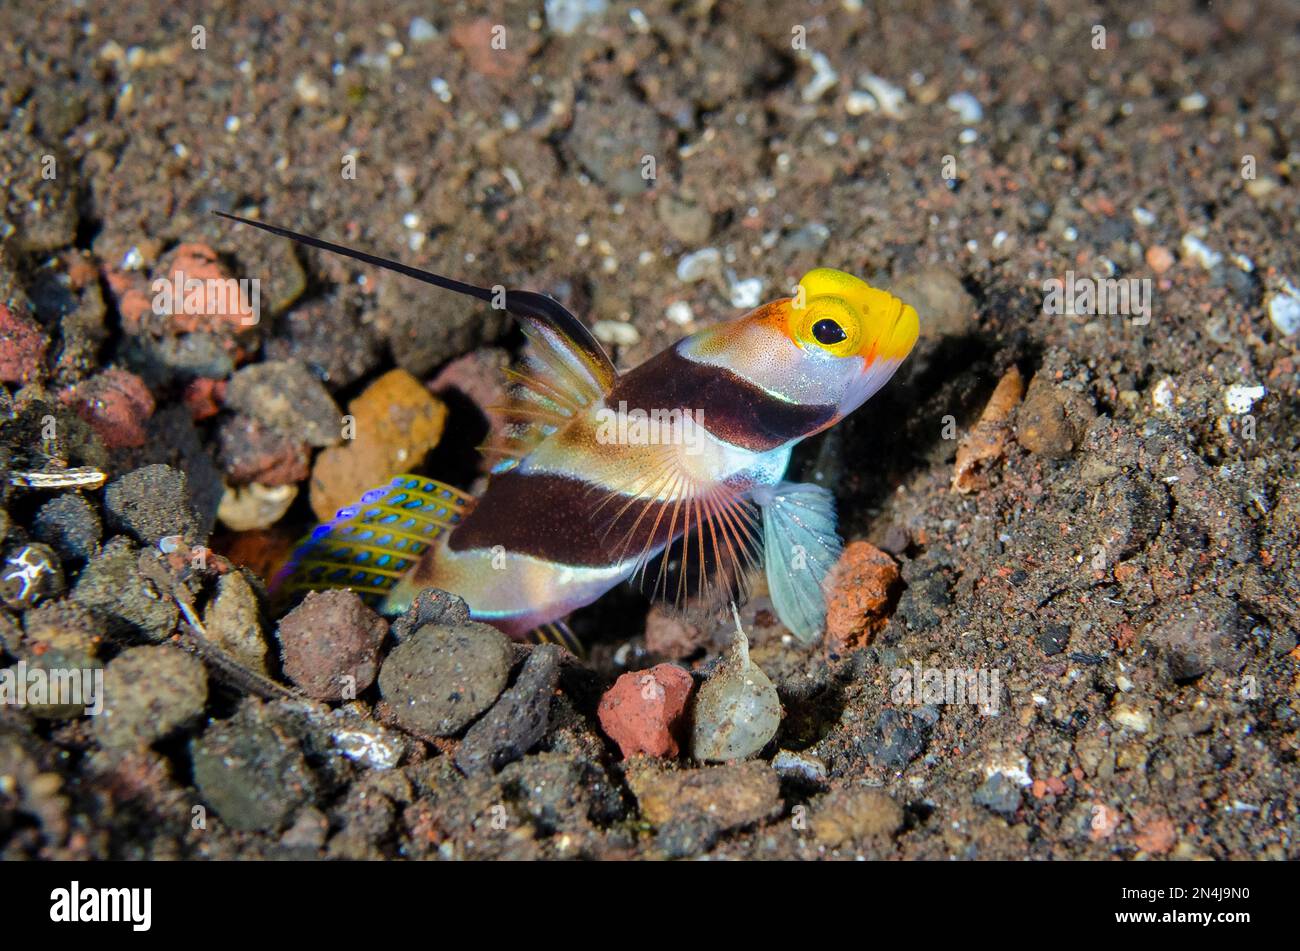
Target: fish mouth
point(894, 340)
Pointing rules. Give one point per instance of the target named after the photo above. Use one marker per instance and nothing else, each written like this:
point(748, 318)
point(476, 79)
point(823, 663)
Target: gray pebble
point(518, 721)
point(440, 678)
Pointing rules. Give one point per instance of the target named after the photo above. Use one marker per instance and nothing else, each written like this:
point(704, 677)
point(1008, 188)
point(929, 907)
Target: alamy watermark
point(976, 686)
point(208, 297)
point(23, 686)
point(656, 427)
point(1098, 296)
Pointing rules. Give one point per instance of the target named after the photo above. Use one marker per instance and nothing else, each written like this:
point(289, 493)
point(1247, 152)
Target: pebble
point(151, 503)
point(942, 303)
point(248, 450)
point(233, 620)
point(70, 525)
point(517, 722)
point(254, 507)
point(1284, 309)
point(421, 30)
point(1159, 258)
point(897, 738)
point(113, 587)
point(861, 587)
point(329, 336)
point(823, 79)
point(644, 712)
point(1196, 633)
point(1200, 252)
point(116, 404)
point(1052, 419)
point(999, 793)
point(285, 395)
point(966, 106)
point(397, 421)
point(1156, 835)
point(440, 678)
point(329, 645)
point(693, 806)
point(566, 17)
point(1130, 716)
point(800, 766)
point(22, 347)
point(1239, 399)
point(672, 636)
point(699, 265)
point(30, 574)
point(40, 212)
point(890, 100)
point(736, 711)
point(746, 294)
point(250, 771)
point(688, 222)
point(854, 814)
point(150, 691)
point(230, 312)
point(610, 135)
point(616, 333)
point(1053, 639)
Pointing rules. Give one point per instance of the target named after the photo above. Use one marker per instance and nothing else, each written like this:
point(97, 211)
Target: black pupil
point(828, 332)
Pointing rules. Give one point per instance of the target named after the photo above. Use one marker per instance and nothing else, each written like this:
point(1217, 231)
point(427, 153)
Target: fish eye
point(828, 333)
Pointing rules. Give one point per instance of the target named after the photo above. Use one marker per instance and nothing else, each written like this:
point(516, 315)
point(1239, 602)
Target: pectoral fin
point(800, 545)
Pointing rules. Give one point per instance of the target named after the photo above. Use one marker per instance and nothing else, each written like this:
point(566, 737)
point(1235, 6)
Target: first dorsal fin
point(575, 360)
point(565, 369)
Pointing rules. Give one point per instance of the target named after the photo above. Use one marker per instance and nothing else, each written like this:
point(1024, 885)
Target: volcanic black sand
point(1107, 544)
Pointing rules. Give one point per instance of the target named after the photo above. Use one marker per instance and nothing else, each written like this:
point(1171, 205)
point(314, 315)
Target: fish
point(671, 474)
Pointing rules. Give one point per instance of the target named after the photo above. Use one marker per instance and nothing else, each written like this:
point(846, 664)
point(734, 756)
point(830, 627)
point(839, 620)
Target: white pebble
point(307, 90)
point(680, 313)
point(824, 78)
point(1239, 399)
point(1284, 309)
point(1163, 395)
point(1193, 102)
point(1143, 217)
point(698, 265)
point(890, 99)
point(1131, 718)
point(615, 333)
point(966, 106)
point(1200, 252)
point(421, 30)
point(567, 16)
point(747, 294)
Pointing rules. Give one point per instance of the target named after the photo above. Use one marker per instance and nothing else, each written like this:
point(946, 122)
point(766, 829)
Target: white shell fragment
point(737, 711)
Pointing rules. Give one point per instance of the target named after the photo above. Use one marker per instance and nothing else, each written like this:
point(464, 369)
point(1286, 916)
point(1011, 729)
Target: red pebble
point(644, 711)
point(22, 347)
point(203, 397)
point(116, 404)
point(230, 312)
point(131, 294)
